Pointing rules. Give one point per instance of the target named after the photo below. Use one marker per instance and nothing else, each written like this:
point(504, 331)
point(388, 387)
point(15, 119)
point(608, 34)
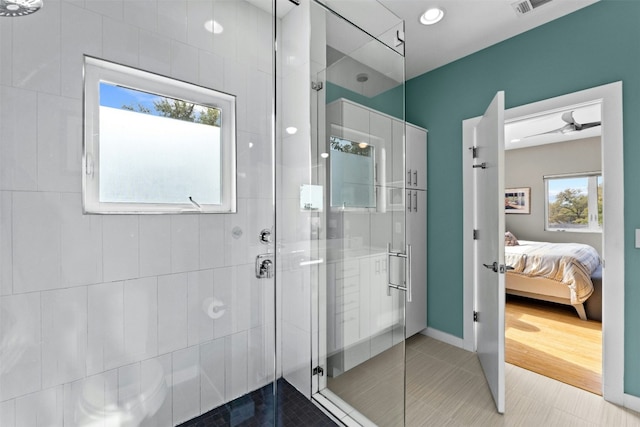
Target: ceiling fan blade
point(559, 130)
point(568, 117)
point(587, 125)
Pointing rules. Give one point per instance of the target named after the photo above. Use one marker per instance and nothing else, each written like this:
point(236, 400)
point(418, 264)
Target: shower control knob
point(265, 236)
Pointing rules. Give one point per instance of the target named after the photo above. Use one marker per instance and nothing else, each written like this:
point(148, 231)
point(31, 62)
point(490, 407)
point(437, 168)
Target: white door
point(489, 246)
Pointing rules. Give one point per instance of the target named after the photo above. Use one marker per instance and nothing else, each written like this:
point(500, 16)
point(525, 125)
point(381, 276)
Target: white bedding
point(570, 264)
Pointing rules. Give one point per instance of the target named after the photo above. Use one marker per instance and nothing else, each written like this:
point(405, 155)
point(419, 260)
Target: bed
point(557, 272)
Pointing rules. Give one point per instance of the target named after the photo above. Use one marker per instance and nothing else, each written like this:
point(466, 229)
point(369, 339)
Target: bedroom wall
point(539, 64)
point(526, 167)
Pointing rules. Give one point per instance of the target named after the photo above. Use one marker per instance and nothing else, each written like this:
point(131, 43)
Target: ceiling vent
point(527, 6)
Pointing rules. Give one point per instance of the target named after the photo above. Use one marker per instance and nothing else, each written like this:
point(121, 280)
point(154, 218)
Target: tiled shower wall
point(128, 318)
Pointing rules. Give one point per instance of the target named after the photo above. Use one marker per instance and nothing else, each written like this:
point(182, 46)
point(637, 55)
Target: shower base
point(257, 409)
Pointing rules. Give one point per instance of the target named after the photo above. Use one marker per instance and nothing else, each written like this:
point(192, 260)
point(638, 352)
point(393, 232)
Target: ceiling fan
point(571, 125)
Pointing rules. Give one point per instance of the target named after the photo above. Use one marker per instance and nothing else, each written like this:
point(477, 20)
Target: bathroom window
point(154, 144)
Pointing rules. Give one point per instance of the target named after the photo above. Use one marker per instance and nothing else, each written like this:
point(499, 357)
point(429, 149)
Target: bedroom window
point(574, 202)
point(154, 144)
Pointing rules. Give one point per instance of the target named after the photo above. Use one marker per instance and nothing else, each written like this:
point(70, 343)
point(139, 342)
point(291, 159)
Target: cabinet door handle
point(409, 284)
point(409, 201)
point(409, 177)
point(415, 178)
point(415, 201)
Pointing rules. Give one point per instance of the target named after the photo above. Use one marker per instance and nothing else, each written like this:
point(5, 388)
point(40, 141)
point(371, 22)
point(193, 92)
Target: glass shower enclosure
point(356, 194)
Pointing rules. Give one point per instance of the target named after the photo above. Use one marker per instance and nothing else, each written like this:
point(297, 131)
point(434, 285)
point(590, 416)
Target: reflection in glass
point(352, 174)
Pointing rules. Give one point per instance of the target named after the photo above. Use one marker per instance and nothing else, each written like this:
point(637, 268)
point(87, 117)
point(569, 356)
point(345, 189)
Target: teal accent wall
point(389, 102)
point(596, 45)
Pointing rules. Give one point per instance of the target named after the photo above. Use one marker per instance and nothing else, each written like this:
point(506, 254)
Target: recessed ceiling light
point(291, 130)
point(213, 26)
point(432, 16)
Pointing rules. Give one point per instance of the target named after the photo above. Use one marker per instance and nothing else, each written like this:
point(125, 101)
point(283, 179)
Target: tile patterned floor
point(257, 409)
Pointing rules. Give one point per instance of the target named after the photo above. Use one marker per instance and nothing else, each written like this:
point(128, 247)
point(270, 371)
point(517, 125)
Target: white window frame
point(592, 193)
point(97, 71)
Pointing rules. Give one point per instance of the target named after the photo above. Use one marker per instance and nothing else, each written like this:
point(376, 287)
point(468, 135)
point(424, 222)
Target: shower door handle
point(390, 284)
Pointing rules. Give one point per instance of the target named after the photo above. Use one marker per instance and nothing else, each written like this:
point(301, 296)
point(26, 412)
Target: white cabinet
point(362, 319)
point(416, 155)
point(416, 318)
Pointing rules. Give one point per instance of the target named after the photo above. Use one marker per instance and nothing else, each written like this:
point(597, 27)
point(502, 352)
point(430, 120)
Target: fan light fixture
point(13, 8)
point(432, 16)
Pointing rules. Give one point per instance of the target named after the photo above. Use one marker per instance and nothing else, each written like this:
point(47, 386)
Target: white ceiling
point(468, 26)
point(539, 129)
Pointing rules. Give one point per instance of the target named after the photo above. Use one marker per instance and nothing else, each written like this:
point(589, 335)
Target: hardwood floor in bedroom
point(551, 340)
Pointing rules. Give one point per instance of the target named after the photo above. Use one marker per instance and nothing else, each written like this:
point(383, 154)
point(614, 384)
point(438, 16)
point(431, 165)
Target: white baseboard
point(632, 402)
point(444, 337)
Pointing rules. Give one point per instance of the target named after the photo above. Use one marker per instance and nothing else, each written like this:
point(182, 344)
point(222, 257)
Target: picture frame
point(517, 200)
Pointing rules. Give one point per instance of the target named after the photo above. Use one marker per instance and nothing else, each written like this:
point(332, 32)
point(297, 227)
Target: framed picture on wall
point(517, 200)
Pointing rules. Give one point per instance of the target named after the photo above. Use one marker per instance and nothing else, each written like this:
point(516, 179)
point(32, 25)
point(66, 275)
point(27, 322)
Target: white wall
point(98, 311)
point(526, 167)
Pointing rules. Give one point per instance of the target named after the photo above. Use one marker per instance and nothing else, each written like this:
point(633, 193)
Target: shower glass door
point(359, 188)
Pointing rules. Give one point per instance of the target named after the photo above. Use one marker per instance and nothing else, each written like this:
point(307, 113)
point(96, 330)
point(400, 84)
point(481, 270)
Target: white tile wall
point(64, 336)
point(212, 375)
point(98, 312)
point(185, 243)
point(172, 312)
point(120, 239)
point(120, 41)
point(236, 374)
point(105, 343)
point(81, 243)
point(21, 353)
point(155, 53)
point(142, 14)
point(42, 409)
point(6, 41)
point(200, 307)
point(199, 12)
point(226, 43)
point(36, 51)
point(184, 62)
point(155, 245)
point(81, 35)
point(156, 383)
point(8, 413)
point(172, 19)
point(212, 234)
point(140, 319)
point(186, 384)
point(18, 160)
point(36, 241)
point(6, 244)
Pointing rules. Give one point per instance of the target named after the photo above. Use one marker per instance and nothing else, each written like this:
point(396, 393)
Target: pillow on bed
point(510, 239)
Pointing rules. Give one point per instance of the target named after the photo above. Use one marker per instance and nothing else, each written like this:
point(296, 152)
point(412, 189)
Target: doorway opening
point(609, 97)
point(553, 220)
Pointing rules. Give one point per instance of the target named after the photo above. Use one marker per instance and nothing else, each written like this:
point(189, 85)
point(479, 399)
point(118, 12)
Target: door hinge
point(475, 316)
point(475, 234)
point(318, 371)
point(482, 165)
point(317, 86)
point(474, 152)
